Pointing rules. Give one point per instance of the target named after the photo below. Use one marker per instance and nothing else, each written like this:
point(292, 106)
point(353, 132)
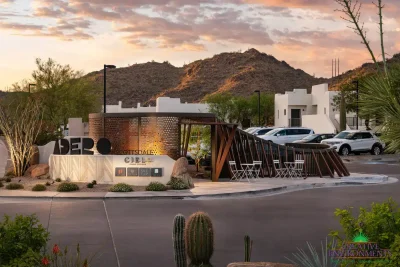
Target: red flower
point(56, 249)
point(45, 261)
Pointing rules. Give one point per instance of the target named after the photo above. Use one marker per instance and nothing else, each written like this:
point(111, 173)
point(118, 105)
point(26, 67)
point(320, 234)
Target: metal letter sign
point(103, 146)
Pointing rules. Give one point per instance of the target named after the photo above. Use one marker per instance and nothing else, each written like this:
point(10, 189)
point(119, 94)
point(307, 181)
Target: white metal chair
point(298, 168)
point(257, 168)
point(280, 172)
point(237, 173)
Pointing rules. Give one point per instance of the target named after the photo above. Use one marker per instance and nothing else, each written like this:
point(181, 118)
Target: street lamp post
point(356, 83)
point(104, 95)
point(259, 107)
point(29, 86)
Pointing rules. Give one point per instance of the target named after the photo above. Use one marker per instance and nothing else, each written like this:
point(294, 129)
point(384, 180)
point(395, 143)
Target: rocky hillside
point(364, 70)
point(238, 73)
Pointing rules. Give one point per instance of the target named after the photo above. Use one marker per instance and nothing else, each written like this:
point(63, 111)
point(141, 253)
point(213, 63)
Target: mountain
point(362, 71)
point(238, 73)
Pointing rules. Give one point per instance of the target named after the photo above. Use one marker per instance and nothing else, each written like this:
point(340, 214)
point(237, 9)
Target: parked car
point(356, 142)
point(315, 138)
point(282, 136)
point(262, 131)
point(251, 129)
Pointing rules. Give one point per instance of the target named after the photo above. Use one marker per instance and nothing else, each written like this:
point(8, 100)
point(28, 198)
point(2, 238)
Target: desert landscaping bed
point(29, 183)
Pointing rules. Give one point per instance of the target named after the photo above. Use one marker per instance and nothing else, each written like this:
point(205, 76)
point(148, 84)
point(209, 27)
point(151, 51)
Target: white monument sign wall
point(112, 169)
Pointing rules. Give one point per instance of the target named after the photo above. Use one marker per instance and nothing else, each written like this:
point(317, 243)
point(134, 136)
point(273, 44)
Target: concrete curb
point(351, 181)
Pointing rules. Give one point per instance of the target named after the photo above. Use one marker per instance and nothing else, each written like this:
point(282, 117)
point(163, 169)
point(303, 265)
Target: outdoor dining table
point(248, 169)
point(289, 168)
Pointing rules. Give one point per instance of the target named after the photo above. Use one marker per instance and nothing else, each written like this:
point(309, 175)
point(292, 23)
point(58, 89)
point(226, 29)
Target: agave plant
point(313, 258)
point(380, 98)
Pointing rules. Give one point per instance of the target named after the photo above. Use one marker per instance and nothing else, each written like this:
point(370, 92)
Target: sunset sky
point(86, 34)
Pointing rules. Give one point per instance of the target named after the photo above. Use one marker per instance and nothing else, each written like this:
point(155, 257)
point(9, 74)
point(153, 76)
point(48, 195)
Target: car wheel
point(376, 150)
point(344, 150)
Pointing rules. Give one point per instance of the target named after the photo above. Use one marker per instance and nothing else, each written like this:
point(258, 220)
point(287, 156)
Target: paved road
point(142, 229)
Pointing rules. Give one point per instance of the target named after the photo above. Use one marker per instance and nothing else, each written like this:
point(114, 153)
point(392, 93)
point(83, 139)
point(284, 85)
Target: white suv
point(282, 136)
point(356, 142)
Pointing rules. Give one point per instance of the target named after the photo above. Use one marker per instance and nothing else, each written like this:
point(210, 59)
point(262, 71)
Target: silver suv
point(356, 142)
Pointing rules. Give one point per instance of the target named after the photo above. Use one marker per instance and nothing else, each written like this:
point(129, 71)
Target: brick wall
point(160, 134)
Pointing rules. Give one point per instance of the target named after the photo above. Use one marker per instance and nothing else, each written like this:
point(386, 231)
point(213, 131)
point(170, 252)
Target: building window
point(324, 110)
point(284, 112)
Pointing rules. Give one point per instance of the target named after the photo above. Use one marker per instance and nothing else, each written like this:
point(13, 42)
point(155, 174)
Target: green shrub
point(89, 185)
point(156, 186)
point(29, 259)
point(380, 223)
point(94, 182)
point(39, 187)
point(48, 183)
point(1, 184)
point(58, 180)
point(177, 184)
point(67, 187)
point(20, 235)
point(14, 186)
point(10, 174)
point(8, 179)
point(121, 187)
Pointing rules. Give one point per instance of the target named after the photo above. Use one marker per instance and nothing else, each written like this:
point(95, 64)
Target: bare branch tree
point(380, 7)
point(20, 123)
point(352, 12)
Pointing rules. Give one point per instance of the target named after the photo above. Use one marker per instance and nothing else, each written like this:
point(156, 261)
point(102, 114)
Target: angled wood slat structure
point(231, 143)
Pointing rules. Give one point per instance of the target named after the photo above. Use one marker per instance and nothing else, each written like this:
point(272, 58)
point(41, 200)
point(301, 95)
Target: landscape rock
point(34, 160)
point(259, 264)
point(29, 170)
point(180, 172)
point(39, 170)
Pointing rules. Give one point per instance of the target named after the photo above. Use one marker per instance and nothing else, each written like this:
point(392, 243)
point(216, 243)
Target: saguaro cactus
point(178, 238)
point(248, 245)
point(199, 239)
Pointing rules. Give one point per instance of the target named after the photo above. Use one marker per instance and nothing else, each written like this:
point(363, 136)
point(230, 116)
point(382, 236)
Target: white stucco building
point(163, 104)
point(316, 110)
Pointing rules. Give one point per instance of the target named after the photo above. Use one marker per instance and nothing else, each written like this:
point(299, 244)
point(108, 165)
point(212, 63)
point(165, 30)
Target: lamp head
point(110, 66)
point(256, 91)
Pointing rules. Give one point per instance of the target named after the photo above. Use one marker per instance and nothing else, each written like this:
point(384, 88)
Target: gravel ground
point(29, 182)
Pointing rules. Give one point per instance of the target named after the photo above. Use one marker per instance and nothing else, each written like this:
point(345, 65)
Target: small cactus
point(248, 245)
point(179, 241)
point(199, 239)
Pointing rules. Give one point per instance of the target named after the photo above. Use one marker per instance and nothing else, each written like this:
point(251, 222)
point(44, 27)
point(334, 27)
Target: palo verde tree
point(20, 123)
point(63, 92)
point(379, 94)
point(237, 109)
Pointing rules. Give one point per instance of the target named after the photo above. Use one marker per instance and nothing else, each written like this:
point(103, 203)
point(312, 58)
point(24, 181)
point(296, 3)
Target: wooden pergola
point(229, 143)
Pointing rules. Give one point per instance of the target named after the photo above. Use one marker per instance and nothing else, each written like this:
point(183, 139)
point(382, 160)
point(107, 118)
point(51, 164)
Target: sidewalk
point(225, 189)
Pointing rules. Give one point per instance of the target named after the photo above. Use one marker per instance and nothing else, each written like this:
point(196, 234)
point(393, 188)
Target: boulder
point(28, 171)
point(39, 170)
point(34, 160)
point(180, 172)
point(259, 264)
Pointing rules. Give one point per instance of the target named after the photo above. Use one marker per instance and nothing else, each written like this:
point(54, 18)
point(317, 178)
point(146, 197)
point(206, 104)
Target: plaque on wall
point(120, 171)
point(156, 172)
point(133, 172)
point(145, 172)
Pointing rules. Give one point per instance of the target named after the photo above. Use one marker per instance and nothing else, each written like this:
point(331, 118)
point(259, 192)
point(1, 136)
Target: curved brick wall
point(159, 134)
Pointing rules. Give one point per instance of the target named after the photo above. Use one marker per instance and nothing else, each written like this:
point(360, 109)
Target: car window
point(264, 131)
point(291, 131)
point(358, 136)
point(366, 135)
point(303, 131)
point(281, 132)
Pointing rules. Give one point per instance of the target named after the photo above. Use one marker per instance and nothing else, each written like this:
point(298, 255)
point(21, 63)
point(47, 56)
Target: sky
point(86, 34)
